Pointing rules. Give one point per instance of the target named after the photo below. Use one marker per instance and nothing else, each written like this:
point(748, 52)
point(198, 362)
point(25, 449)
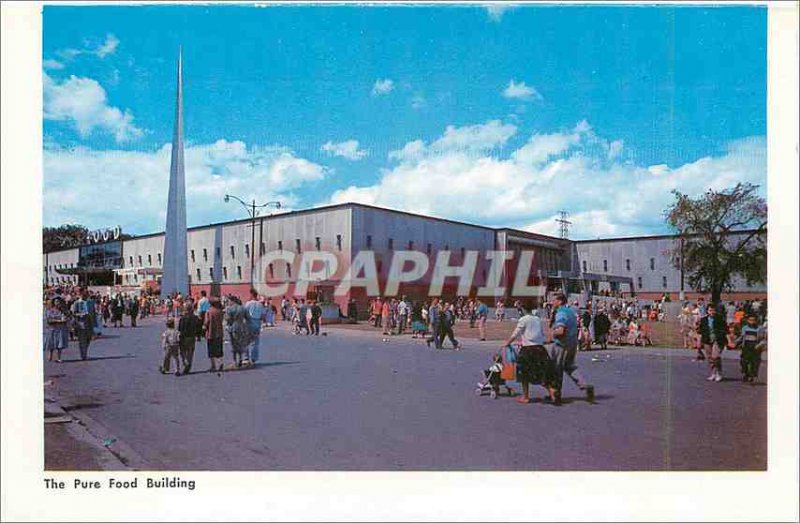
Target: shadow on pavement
point(245, 369)
point(97, 358)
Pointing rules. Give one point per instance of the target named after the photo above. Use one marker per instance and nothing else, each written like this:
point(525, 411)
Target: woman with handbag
point(533, 362)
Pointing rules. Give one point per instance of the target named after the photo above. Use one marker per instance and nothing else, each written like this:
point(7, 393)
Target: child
point(644, 335)
point(170, 342)
point(491, 379)
point(750, 358)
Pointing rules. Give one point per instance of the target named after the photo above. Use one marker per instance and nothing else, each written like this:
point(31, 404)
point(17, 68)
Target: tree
point(723, 234)
point(63, 237)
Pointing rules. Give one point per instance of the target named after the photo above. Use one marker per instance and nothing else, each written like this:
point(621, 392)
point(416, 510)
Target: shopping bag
point(509, 371)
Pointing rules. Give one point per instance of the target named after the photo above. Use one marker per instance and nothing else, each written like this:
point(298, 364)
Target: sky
point(496, 115)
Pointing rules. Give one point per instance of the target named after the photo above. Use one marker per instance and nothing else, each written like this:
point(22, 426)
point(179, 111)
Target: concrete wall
point(383, 226)
point(220, 254)
point(640, 251)
point(55, 260)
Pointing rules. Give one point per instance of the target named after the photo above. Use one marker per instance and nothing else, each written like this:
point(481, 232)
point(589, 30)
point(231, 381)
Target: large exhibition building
point(220, 257)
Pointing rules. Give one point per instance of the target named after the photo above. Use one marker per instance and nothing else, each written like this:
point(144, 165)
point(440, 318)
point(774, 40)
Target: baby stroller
point(492, 380)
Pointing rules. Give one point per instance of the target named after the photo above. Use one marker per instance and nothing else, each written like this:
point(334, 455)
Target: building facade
point(220, 257)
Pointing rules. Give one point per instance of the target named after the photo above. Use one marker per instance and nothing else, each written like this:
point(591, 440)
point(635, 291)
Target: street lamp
point(252, 210)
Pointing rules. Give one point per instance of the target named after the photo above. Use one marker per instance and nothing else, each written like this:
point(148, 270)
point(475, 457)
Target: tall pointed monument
point(175, 277)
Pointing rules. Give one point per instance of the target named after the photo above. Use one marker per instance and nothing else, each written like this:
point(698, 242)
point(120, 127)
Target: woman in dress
point(56, 337)
point(214, 332)
point(236, 323)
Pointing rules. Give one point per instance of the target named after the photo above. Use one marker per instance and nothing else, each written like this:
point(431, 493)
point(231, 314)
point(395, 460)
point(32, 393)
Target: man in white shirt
point(83, 323)
point(202, 305)
point(402, 315)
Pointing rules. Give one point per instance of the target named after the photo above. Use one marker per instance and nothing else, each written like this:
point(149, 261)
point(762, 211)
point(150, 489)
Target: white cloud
point(471, 140)
point(80, 184)
point(108, 47)
point(460, 176)
point(52, 64)
point(542, 147)
point(521, 91)
point(615, 149)
point(83, 102)
point(347, 149)
point(381, 87)
point(496, 11)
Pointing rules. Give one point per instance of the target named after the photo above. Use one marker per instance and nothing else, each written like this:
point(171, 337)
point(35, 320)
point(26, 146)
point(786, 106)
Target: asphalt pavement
point(350, 401)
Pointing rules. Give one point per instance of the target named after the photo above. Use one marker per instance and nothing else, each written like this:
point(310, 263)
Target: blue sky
point(489, 115)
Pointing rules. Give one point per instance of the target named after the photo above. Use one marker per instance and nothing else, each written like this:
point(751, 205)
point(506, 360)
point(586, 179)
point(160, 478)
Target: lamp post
point(252, 210)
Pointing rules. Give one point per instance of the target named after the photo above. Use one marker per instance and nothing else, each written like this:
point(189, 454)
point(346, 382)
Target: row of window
point(51, 268)
point(410, 245)
point(663, 282)
point(62, 279)
point(627, 265)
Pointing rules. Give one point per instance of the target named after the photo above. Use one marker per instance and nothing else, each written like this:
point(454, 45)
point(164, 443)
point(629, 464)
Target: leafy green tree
point(723, 235)
point(63, 237)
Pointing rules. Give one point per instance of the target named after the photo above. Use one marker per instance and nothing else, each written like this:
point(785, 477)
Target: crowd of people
point(710, 329)
point(74, 313)
point(210, 319)
point(432, 320)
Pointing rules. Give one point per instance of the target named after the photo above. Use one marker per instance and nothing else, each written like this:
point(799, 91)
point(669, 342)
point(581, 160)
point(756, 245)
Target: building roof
point(350, 205)
point(653, 237)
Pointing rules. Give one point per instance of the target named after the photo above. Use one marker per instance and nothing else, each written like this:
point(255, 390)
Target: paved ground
point(348, 401)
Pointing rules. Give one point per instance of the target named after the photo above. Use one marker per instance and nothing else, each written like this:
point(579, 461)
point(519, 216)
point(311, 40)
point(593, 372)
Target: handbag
point(509, 371)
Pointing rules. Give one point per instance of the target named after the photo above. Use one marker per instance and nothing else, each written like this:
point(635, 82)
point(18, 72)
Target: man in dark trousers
point(446, 322)
point(713, 333)
point(303, 312)
point(316, 315)
point(133, 310)
point(564, 349)
point(83, 323)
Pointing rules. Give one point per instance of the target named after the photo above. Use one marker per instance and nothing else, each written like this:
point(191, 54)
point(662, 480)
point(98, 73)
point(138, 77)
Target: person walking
point(117, 308)
point(202, 306)
point(386, 310)
point(500, 311)
point(105, 310)
point(752, 345)
point(713, 331)
point(482, 314)
point(269, 313)
point(533, 362)
point(303, 316)
point(133, 310)
point(564, 349)
point(171, 345)
point(190, 328)
point(402, 315)
point(448, 319)
point(316, 318)
point(256, 314)
point(284, 309)
point(214, 333)
point(377, 312)
point(83, 323)
point(238, 330)
point(602, 324)
point(434, 317)
point(57, 335)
